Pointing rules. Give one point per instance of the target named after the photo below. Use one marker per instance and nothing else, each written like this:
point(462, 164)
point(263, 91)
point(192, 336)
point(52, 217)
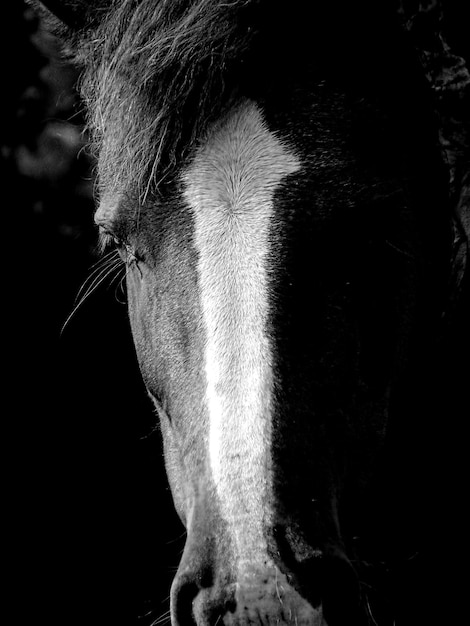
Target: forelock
point(155, 75)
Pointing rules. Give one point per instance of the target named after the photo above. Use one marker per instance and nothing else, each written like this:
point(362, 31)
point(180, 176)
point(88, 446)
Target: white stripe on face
point(229, 187)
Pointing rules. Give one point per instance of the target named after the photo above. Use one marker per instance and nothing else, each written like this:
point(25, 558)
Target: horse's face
point(269, 179)
point(243, 281)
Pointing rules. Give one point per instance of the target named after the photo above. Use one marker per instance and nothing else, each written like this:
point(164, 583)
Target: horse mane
point(155, 74)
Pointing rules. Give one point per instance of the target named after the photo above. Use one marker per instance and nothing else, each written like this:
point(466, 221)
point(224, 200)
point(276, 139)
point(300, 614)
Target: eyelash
point(108, 240)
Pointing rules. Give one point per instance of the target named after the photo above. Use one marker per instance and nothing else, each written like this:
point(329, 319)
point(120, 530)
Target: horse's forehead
point(241, 158)
point(240, 165)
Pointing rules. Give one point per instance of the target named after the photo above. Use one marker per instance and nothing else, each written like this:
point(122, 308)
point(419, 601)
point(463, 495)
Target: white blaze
point(229, 187)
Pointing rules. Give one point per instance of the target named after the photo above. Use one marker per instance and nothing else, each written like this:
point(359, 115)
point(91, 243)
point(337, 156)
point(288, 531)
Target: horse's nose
point(270, 599)
point(260, 598)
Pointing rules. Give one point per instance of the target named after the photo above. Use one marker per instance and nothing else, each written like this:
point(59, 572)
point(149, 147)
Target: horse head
point(263, 199)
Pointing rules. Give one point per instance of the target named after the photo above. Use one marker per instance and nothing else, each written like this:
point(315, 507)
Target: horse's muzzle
point(260, 599)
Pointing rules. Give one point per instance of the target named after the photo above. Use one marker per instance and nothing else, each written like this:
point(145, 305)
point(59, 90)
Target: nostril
point(196, 599)
point(183, 594)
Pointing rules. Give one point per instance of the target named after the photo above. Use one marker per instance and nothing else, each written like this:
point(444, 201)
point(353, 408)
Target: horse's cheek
point(144, 303)
point(141, 298)
point(173, 469)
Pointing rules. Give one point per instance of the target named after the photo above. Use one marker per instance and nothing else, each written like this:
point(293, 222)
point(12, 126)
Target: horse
point(273, 184)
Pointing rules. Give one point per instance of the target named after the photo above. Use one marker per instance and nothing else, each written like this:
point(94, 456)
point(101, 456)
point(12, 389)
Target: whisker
point(278, 593)
point(111, 259)
point(176, 538)
point(90, 287)
point(162, 619)
point(118, 280)
point(121, 286)
point(105, 257)
point(369, 611)
point(399, 250)
point(98, 278)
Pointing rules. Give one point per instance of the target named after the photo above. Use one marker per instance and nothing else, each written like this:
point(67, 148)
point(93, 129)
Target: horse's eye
point(109, 239)
point(127, 252)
